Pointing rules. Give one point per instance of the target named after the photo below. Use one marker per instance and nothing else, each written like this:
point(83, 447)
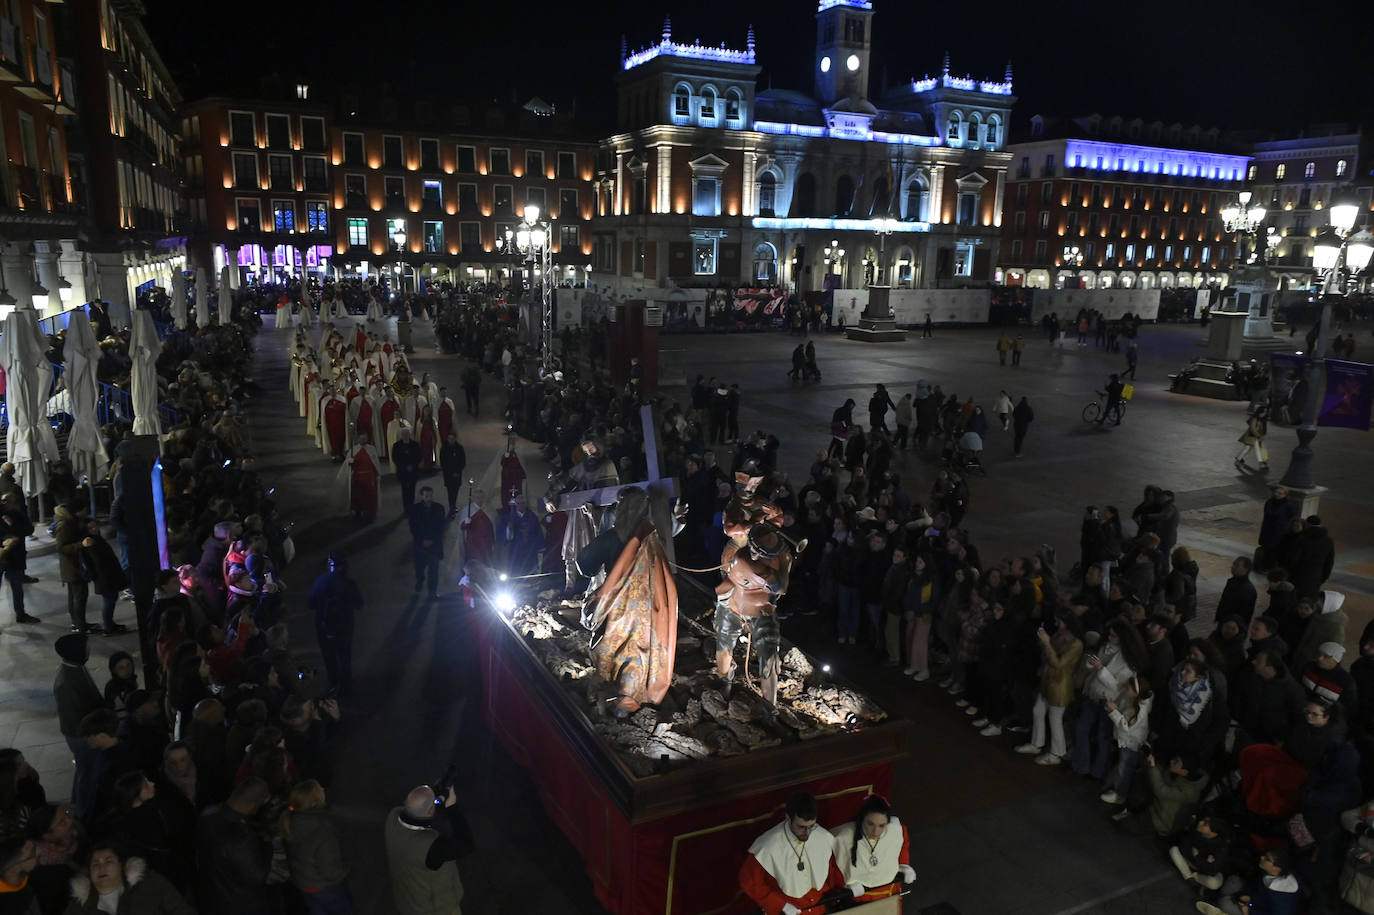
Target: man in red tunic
point(335, 421)
point(791, 867)
point(443, 412)
point(479, 534)
point(512, 474)
point(359, 478)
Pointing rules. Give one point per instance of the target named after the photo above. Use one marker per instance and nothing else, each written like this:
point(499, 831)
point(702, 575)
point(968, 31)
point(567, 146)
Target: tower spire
point(945, 66)
point(749, 40)
point(1008, 77)
point(667, 28)
point(624, 48)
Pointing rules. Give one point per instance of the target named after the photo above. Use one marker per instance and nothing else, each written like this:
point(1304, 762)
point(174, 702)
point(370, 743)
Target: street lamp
point(533, 238)
point(1327, 251)
point(64, 291)
point(40, 297)
point(1245, 219)
point(1073, 257)
point(834, 255)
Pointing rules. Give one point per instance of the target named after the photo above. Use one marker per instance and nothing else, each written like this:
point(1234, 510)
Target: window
point(955, 121)
point(706, 197)
point(732, 105)
point(312, 134)
point(1096, 197)
point(1251, 172)
point(395, 192)
point(355, 192)
point(1206, 253)
point(1021, 194)
point(1020, 221)
point(1042, 251)
point(1049, 165)
point(1111, 250)
point(1168, 252)
point(315, 179)
point(241, 129)
point(467, 160)
point(768, 192)
point(397, 235)
point(853, 29)
point(534, 164)
point(434, 238)
point(708, 107)
point(278, 131)
point(567, 165)
point(283, 216)
point(567, 204)
point(1130, 253)
point(429, 155)
point(246, 170)
point(432, 197)
point(279, 173)
point(467, 199)
point(357, 232)
point(500, 161)
point(1071, 222)
point(682, 102)
point(968, 209)
point(353, 149)
point(1017, 249)
point(393, 155)
point(470, 236)
point(503, 200)
point(1046, 192)
point(704, 256)
point(1280, 172)
point(1149, 253)
point(316, 216)
point(535, 196)
point(917, 202)
point(568, 239)
point(250, 216)
point(1340, 168)
point(1309, 170)
point(1044, 218)
point(1024, 171)
point(1187, 253)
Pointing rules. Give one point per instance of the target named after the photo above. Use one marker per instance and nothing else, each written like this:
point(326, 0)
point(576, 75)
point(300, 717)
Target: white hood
point(1331, 601)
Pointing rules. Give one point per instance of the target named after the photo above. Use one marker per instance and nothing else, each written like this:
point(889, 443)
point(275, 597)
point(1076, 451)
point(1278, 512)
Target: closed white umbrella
point(179, 300)
point(85, 449)
point(28, 381)
point(202, 298)
point(143, 348)
point(226, 297)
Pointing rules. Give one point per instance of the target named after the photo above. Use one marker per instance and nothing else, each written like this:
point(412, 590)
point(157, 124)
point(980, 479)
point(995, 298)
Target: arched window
point(844, 196)
point(766, 264)
point(975, 130)
point(882, 199)
point(1340, 168)
point(916, 201)
point(708, 104)
point(994, 132)
point(905, 267)
point(768, 194)
point(682, 102)
point(956, 122)
point(804, 196)
point(734, 105)
point(1309, 170)
point(1280, 172)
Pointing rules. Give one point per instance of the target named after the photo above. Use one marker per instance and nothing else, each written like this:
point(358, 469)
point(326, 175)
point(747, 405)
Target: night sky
point(1193, 62)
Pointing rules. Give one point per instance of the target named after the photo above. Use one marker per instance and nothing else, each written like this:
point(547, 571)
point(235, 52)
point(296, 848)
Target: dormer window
point(682, 102)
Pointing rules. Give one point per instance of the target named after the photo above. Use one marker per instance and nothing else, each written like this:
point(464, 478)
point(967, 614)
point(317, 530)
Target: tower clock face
point(825, 64)
point(852, 63)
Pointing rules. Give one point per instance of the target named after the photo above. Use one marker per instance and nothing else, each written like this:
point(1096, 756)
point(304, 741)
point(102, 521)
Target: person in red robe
point(335, 421)
point(791, 868)
point(512, 475)
point(479, 534)
point(429, 440)
point(362, 423)
point(391, 409)
point(444, 414)
point(358, 481)
point(360, 338)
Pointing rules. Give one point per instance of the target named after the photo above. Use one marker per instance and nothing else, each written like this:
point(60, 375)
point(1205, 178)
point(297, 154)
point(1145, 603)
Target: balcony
point(41, 85)
point(430, 205)
point(11, 67)
point(395, 201)
point(27, 185)
point(57, 192)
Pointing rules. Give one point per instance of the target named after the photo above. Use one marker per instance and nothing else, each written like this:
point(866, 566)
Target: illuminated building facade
point(710, 182)
point(1102, 203)
point(39, 198)
point(294, 188)
point(1295, 179)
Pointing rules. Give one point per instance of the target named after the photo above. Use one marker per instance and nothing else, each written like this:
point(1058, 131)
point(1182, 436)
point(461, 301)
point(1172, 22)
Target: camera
point(448, 780)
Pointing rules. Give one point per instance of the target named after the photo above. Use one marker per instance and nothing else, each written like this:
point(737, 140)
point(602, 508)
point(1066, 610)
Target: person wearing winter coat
point(1180, 585)
point(1176, 792)
point(1279, 512)
point(903, 414)
point(1118, 658)
point(71, 537)
point(1060, 652)
point(124, 886)
point(1328, 624)
point(1130, 729)
point(1238, 595)
point(1201, 855)
point(109, 580)
point(1314, 558)
point(1274, 893)
point(312, 850)
point(996, 663)
point(1266, 701)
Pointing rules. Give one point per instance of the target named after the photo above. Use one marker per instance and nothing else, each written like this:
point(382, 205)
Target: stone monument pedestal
point(877, 324)
point(1226, 334)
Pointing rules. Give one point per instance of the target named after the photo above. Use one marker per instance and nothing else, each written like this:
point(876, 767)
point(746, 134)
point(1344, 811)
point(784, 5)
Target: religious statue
point(585, 522)
point(757, 565)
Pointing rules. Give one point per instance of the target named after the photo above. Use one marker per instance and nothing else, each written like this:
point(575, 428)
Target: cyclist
point(1113, 405)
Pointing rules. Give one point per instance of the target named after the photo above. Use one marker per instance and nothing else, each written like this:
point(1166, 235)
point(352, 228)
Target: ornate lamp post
point(834, 258)
point(1246, 219)
point(533, 238)
point(1334, 245)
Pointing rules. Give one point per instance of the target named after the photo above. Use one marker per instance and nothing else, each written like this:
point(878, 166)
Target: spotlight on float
point(503, 577)
point(825, 668)
point(504, 602)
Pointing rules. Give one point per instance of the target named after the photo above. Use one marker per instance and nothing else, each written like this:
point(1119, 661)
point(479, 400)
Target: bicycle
point(1092, 413)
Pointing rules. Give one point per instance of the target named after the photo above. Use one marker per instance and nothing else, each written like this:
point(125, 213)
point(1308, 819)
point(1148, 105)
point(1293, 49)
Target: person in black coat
point(1279, 512)
point(1238, 596)
point(452, 460)
point(335, 600)
point(232, 863)
point(1316, 555)
point(405, 460)
point(1021, 417)
point(109, 580)
point(427, 521)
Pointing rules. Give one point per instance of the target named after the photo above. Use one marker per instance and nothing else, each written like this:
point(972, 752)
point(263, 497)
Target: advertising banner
point(1348, 395)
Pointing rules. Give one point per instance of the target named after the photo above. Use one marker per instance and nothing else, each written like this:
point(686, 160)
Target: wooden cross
point(655, 485)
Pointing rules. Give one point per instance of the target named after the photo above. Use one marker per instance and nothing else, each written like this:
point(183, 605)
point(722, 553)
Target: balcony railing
point(57, 191)
point(355, 202)
point(26, 183)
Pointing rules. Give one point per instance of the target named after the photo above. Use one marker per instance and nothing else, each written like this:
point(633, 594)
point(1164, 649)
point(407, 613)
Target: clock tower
point(843, 46)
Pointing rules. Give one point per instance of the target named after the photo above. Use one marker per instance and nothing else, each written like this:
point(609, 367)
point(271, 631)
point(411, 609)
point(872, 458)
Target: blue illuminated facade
point(1101, 156)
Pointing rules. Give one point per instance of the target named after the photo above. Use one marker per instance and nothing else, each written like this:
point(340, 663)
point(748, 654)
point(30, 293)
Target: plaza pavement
point(991, 832)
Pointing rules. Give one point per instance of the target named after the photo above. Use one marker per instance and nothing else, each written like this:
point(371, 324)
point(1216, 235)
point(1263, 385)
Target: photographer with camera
point(424, 839)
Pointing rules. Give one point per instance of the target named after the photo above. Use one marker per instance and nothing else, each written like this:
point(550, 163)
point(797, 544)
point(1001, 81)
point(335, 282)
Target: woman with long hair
point(1061, 645)
point(1120, 657)
point(873, 851)
point(312, 850)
